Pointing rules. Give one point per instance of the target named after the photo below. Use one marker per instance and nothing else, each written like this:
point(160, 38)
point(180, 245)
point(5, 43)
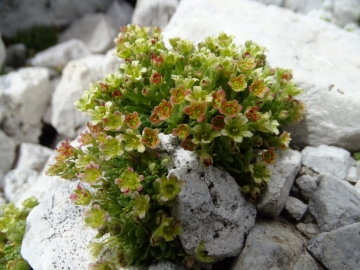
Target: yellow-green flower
point(259, 172)
point(132, 141)
point(141, 205)
point(204, 134)
point(133, 71)
point(168, 229)
point(236, 128)
point(112, 147)
point(169, 187)
point(129, 181)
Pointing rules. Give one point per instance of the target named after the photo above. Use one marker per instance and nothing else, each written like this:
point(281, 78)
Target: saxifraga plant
point(223, 103)
point(12, 229)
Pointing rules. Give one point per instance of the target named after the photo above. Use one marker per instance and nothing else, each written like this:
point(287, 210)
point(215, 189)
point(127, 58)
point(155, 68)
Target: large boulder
point(23, 99)
point(120, 13)
point(24, 14)
point(211, 208)
point(313, 49)
point(334, 204)
point(58, 56)
point(33, 156)
point(77, 75)
point(338, 249)
point(97, 31)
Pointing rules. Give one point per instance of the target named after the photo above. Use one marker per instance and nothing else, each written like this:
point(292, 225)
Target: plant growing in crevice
point(222, 102)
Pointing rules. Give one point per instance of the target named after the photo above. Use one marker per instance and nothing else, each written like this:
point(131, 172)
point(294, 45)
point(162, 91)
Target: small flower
point(257, 140)
point(218, 96)
point(229, 108)
point(182, 131)
point(218, 122)
point(236, 128)
point(132, 141)
point(156, 61)
point(99, 112)
point(246, 64)
point(259, 172)
point(129, 181)
point(112, 147)
point(134, 71)
point(258, 88)
point(267, 125)
point(252, 113)
point(169, 187)
point(65, 151)
point(269, 156)
point(206, 159)
point(156, 78)
point(177, 94)
point(196, 110)
point(150, 137)
point(198, 95)
point(85, 139)
point(113, 121)
point(95, 217)
point(163, 110)
point(238, 83)
point(168, 229)
point(92, 173)
point(132, 120)
point(204, 134)
point(155, 119)
point(81, 196)
point(95, 249)
point(141, 205)
point(187, 144)
point(284, 140)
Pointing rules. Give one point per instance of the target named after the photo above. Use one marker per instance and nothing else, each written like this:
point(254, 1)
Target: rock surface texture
point(33, 156)
point(312, 49)
point(334, 204)
point(211, 208)
point(335, 250)
point(7, 155)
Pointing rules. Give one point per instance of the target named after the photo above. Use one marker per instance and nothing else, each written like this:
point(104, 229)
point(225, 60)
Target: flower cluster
point(225, 104)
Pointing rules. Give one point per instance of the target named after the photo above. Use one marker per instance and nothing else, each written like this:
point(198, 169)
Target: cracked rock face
point(211, 208)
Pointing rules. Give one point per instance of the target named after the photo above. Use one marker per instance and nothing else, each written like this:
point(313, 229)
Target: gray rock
point(77, 75)
point(2, 52)
point(327, 159)
point(302, 6)
point(272, 201)
point(58, 56)
point(346, 11)
point(310, 230)
point(154, 13)
point(352, 175)
point(211, 208)
point(273, 244)
point(338, 249)
point(307, 171)
point(120, 13)
point(97, 31)
point(55, 233)
point(307, 186)
point(307, 262)
point(111, 63)
point(295, 208)
point(33, 156)
point(166, 266)
point(311, 48)
point(334, 204)
point(24, 14)
point(23, 98)
point(2, 199)
point(15, 55)
point(7, 155)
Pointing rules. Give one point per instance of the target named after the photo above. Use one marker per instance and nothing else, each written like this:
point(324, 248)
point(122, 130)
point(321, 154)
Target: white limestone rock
point(2, 52)
point(33, 156)
point(23, 98)
point(56, 235)
point(334, 204)
point(24, 14)
point(278, 3)
point(7, 155)
point(59, 55)
point(310, 230)
point(327, 159)
point(346, 11)
point(120, 13)
point(154, 13)
point(17, 182)
point(295, 208)
point(313, 49)
point(111, 63)
point(307, 186)
point(77, 75)
point(352, 175)
point(338, 249)
point(211, 208)
point(166, 266)
point(272, 201)
point(303, 6)
point(97, 31)
point(274, 244)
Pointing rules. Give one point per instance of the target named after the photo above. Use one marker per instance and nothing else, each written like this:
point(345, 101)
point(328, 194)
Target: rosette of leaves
point(224, 103)
point(12, 229)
